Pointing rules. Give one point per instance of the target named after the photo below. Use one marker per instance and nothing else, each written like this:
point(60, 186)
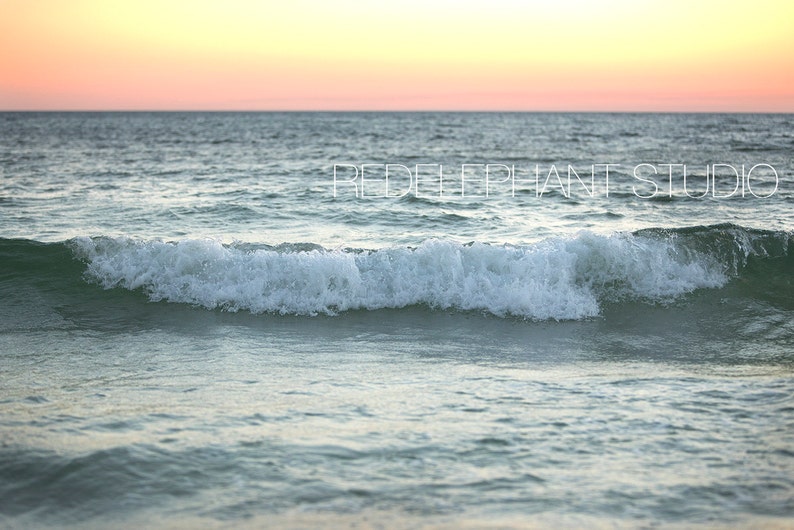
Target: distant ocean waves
point(566, 278)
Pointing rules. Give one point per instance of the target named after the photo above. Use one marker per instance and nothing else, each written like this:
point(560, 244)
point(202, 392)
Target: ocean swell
point(559, 278)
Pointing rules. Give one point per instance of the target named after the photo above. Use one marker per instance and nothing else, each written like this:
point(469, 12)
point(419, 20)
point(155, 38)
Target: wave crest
point(558, 278)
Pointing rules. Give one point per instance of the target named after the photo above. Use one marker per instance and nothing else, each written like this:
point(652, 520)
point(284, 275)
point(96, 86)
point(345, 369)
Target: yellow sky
point(431, 54)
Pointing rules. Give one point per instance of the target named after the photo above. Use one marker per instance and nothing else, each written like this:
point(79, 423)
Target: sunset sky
point(617, 55)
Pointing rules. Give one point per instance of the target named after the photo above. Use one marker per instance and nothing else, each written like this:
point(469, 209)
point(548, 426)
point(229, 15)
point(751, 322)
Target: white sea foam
point(559, 278)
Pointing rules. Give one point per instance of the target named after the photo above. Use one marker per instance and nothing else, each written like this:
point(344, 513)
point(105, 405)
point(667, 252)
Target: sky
point(530, 55)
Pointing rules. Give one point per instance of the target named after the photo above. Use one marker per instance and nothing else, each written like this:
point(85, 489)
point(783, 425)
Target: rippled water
point(268, 177)
point(195, 332)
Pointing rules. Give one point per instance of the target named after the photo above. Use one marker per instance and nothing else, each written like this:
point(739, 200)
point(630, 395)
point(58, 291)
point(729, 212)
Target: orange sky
point(621, 55)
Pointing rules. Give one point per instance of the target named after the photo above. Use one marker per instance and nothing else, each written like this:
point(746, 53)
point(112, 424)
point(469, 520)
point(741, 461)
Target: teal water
point(195, 332)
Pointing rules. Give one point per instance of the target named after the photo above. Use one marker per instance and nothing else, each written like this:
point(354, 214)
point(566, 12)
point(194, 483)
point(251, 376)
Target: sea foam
point(558, 278)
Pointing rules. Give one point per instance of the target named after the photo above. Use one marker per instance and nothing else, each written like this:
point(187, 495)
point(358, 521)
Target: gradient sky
point(618, 55)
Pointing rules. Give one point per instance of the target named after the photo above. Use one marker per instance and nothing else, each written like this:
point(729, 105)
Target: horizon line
point(402, 111)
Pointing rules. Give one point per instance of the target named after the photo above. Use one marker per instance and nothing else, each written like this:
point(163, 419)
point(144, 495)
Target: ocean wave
point(564, 278)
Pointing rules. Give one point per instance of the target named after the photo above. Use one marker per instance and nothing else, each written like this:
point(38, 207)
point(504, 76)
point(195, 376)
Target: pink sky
point(573, 55)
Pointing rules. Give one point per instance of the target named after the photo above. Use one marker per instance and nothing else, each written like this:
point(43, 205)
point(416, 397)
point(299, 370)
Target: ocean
point(396, 320)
